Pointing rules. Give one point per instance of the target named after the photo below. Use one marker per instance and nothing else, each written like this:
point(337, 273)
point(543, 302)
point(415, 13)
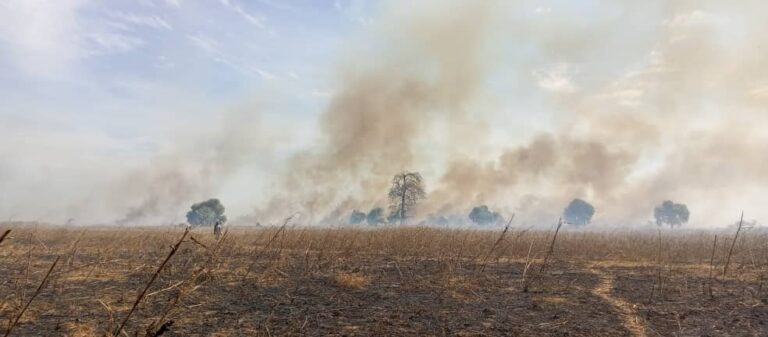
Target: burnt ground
point(425, 300)
point(682, 306)
point(315, 292)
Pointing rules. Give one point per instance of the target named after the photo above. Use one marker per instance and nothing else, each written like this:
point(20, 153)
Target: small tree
point(356, 217)
point(407, 189)
point(206, 213)
point(375, 216)
point(578, 212)
point(481, 215)
point(671, 214)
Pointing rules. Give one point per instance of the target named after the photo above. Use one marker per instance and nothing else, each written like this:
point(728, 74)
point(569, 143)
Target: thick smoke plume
point(676, 113)
point(382, 109)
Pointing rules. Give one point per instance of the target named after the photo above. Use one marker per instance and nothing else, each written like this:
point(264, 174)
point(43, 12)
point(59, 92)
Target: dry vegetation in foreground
point(384, 282)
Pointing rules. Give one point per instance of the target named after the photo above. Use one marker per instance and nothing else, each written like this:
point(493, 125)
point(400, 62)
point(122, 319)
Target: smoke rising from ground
point(522, 107)
point(206, 155)
point(682, 119)
point(384, 103)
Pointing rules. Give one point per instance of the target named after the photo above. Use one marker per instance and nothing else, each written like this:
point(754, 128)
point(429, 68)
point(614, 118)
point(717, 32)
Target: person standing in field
point(217, 230)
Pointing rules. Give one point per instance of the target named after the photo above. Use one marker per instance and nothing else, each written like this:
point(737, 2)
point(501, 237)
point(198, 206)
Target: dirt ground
point(295, 282)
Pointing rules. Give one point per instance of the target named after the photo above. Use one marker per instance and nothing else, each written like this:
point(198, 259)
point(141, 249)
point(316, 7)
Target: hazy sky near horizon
point(93, 88)
point(104, 100)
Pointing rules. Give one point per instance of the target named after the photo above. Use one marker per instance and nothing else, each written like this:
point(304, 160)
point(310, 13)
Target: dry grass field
point(385, 282)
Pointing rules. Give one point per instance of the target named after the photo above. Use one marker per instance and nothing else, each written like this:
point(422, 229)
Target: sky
point(129, 111)
point(94, 86)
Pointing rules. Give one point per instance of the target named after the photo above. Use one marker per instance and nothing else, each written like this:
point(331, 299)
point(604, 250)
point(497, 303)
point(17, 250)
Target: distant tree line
point(407, 189)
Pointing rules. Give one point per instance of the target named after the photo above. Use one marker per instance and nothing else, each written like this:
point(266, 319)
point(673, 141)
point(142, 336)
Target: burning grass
point(391, 281)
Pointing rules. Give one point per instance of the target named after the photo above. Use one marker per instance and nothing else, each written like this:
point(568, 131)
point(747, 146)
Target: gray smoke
point(643, 116)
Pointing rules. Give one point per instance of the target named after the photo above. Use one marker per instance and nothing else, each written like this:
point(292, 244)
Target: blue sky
point(105, 63)
point(88, 86)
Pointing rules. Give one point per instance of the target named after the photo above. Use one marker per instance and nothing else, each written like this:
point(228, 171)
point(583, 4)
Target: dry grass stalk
point(37, 292)
point(496, 244)
point(185, 287)
point(163, 329)
point(271, 240)
point(528, 263)
point(321, 250)
point(733, 244)
point(151, 280)
point(198, 242)
point(73, 250)
point(550, 251)
point(712, 268)
point(28, 266)
point(2, 237)
point(79, 330)
point(110, 317)
point(659, 281)
point(41, 242)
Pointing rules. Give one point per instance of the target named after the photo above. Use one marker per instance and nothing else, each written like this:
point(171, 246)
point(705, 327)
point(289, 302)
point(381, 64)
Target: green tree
point(406, 191)
point(375, 216)
point(578, 212)
point(356, 217)
point(206, 213)
point(672, 214)
point(481, 215)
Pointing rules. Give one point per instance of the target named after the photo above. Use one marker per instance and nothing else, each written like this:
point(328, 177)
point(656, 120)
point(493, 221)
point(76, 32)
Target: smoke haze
point(519, 107)
point(680, 121)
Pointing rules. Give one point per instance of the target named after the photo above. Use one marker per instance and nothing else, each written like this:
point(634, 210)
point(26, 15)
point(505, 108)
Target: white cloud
point(161, 3)
point(279, 4)
point(173, 3)
point(42, 37)
point(203, 43)
point(50, 39)
point(354, 11)
point(107, 43)
point(558, 79)
point(213, 50)
point(151, 21)
point(264, 74)
point(256, 21)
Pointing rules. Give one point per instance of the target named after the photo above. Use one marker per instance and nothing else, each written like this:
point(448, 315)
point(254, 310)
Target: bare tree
point(407, 189)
